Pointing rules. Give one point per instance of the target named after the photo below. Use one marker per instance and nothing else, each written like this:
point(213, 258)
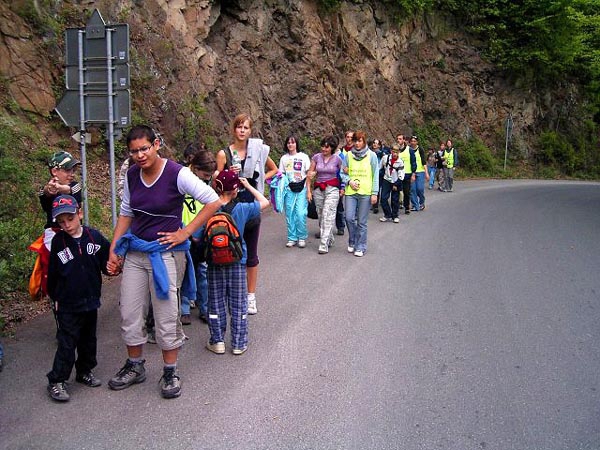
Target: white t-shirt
point(294, 166)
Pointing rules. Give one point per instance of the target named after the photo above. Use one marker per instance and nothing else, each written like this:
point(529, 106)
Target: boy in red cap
point(227, 288)
point(77, 256)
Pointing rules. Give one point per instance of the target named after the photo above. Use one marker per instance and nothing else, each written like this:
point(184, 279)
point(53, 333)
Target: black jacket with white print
point(75, 270)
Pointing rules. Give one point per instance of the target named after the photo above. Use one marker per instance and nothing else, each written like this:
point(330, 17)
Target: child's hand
point(244, 182)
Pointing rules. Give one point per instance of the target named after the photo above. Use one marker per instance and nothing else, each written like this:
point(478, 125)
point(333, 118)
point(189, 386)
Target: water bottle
point(236, 162)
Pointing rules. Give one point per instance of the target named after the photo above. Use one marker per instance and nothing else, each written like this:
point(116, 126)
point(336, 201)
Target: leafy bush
point(475, 158)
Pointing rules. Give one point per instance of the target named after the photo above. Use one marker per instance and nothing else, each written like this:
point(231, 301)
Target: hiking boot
point(170, 383)
point(301, 243)
point(89, 379)
point(217, 347)
point(130, 373)
point(252, 306)
point(58, 392)
point(186, 319)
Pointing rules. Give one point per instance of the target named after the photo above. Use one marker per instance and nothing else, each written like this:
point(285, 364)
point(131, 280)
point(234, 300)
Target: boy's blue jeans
point(417, 191)
point(432, 171)
point(201, 292)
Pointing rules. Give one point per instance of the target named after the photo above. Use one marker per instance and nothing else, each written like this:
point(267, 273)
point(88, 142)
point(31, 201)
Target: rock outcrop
point(292, 66)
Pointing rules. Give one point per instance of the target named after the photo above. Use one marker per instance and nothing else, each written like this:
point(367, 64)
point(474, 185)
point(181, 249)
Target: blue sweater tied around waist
point(159, 271)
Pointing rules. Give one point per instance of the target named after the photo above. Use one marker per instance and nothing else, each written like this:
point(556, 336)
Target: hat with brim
point(62, 160)
point(64, 204)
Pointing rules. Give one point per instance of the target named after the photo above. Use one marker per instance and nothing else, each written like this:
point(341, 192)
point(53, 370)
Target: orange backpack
point(222, 241)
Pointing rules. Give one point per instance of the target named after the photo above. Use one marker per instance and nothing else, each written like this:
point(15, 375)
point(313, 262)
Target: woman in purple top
point(155, 264)
point(327, 190)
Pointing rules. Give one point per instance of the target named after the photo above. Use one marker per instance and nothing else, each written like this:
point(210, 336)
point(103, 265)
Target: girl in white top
point(294, 165)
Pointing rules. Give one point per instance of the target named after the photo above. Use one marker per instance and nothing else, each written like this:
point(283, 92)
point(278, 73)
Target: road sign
point(94, 49)
point(87, 139)
point(95, 78)
point(96, 108)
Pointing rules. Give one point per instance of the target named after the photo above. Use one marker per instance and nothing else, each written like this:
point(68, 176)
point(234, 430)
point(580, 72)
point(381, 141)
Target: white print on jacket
point(65, 255)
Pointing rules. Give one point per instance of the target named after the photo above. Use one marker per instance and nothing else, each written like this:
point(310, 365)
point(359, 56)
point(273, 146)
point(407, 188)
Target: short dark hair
point(287, 140)
point(204, 160)
point(141, 132)
point(330, 141)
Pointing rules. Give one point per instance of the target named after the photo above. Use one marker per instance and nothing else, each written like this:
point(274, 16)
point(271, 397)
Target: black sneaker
point(130, 373)
point(89, 379)
point(340, 231)
point(170, 383)
point(58, 392)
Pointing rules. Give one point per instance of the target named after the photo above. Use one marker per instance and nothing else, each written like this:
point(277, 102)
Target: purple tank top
point(157, 207)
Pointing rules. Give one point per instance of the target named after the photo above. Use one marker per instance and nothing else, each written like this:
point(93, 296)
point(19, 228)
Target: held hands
point(311, 174)
point(114, 266)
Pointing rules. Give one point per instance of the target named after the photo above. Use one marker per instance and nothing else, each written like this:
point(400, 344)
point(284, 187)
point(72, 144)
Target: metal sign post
point(509, 128)
point(97, 79)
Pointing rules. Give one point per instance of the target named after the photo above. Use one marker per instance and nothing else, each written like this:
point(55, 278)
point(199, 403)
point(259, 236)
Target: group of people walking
point(161, 231)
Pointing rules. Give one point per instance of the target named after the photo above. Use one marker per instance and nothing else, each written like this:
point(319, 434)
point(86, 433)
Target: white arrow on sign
point(88, 137)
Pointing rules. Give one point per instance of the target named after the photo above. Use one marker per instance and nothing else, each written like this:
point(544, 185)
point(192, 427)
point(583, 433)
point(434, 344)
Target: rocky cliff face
point(291, 66)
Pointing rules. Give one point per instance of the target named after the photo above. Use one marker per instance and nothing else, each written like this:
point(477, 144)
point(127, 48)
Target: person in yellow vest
point(202, 163)
point(417, 188)
point(410, 166)
point(360, 174)
point(451, 163)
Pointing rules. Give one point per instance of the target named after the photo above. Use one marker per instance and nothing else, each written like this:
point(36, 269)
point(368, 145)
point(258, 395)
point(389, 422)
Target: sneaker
point(396, 220)
point(151, 337)
point(422, 208)
point(331, 241)
point(186, 319)
point(301, 243)
point(58, 392)
point(252, 306)
point(407, 211)
point(318, 235)
point(202, 318)
point(239, 351)
point(430, 188)
point(323, 249)
point(217, 347)
point(130, 373)
point(89, 379)
point(350, 249)
point(375, 210)
point(290, 244)
point(340, 231)
point(384, 219)
point(170, 383)
point(413, 209)
point(359, 253)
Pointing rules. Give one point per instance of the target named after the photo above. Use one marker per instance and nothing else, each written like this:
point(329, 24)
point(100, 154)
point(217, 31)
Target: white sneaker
point(290, 244)
point(239, 351)
point(323, 249)
point(217, 347)
point(383, 219)
point(359, 253)
point(301, 243)
point(396, 220)
point(350, 249)
point(252, 306)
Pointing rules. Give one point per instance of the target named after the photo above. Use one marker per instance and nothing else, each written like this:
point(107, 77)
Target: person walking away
point(360, 173)
point(328, 189)
point(227, 291)
point(78, 257)
point(295, 164)
point(393, 174)
point(410, 166)
point(249, 157)
point(417, 189)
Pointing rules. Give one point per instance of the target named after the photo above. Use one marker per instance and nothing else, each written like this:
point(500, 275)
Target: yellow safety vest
point(361, 171)
point(450, 158)
point(420, 167)
point(405, 155)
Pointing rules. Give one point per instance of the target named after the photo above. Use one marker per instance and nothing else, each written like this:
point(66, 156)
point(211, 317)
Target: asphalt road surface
point(472, 325)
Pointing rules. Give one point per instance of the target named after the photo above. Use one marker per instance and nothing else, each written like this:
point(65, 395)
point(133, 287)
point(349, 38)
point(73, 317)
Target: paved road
point(472, 325)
